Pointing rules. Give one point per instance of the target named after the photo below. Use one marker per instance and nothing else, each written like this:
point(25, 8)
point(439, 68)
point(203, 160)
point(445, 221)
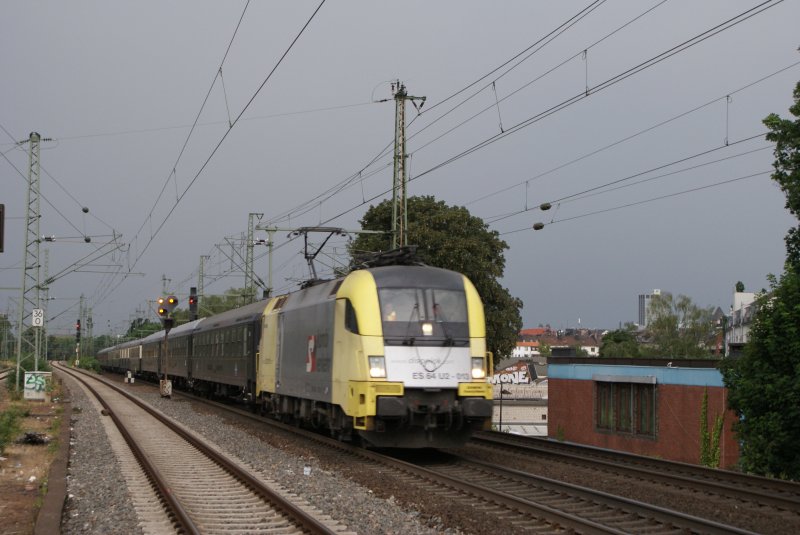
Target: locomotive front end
point(427, 372)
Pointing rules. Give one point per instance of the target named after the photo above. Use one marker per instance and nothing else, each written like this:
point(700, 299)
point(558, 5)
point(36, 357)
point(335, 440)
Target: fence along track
point(205, 491)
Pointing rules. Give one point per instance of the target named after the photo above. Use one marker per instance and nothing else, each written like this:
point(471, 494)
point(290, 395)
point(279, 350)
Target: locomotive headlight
point(427, 329)
point(477, 368)
point(377, 367)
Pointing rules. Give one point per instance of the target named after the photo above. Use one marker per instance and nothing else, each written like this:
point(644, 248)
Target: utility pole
point(89, 326)
point(30, 299)
point(249, 283)
point(46, 300)
point(200, 276)
point(81, 323)
point(164, 281)
point(399, 179)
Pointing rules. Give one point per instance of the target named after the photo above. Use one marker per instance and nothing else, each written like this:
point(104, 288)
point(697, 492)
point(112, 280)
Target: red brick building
point(644, 406)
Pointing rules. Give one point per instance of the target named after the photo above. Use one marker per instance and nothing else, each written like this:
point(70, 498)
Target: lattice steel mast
point(399, 195)
point(30, 297)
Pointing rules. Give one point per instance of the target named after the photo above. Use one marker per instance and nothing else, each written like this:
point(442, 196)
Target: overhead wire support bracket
point(310, 256)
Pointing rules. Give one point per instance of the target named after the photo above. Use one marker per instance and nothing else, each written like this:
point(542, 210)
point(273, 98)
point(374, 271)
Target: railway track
point(610, 513)
point(510, 500)
point(775, 493)
point(197, 489)
point(521, 501)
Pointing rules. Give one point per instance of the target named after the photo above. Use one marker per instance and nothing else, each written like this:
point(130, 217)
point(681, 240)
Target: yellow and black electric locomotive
point(394, 356)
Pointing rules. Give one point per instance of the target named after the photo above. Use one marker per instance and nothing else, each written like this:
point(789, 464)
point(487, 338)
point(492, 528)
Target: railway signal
point(78, 331)
point(165, 307)
point(192, 303)
point(162, 309)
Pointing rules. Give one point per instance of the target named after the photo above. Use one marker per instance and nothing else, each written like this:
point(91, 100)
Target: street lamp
point(506, 392)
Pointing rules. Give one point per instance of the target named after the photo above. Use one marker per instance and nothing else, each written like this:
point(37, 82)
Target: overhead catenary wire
point(638, 174)
point(542, 42)
point(610, 82)
point(360, 176)
point(217, 146)
point(194, 124)
point(636, 134)
point(202, 124)
point(645, 201)
point(41, 195)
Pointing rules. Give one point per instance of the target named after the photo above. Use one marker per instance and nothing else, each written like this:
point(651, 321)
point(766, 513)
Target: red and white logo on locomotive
point(311, 355)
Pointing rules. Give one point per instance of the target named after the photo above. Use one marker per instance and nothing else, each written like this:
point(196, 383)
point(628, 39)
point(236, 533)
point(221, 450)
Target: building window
point(625, 408)
point(646, 409)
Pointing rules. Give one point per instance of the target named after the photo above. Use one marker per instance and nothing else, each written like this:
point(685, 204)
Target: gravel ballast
point(98, 500)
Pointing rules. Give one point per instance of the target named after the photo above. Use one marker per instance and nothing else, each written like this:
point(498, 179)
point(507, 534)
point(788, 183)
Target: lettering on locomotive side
point(442, 376)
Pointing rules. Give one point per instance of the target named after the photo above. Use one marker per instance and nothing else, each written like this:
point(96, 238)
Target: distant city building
point(644, 307)
point(526, 350)
point(743, 313)
point(561, 342)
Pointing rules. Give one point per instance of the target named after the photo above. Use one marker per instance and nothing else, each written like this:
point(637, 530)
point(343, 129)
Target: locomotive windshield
point(424, 316)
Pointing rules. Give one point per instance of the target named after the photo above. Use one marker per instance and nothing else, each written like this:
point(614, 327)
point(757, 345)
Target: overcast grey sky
point(117, 86)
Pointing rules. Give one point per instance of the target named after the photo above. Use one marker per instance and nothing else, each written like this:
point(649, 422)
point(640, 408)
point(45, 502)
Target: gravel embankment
point(98, 495)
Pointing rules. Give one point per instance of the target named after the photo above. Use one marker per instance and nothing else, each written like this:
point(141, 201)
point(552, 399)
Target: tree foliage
point(620, 343)
point(679, 328)
point(764, 384)
point(785, 133)
point(141, 328)
point(208, 306)
point(217, 304)
point(449, 237)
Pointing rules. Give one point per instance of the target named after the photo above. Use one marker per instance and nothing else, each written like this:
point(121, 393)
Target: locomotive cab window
point(423, 316)
point(350, 319)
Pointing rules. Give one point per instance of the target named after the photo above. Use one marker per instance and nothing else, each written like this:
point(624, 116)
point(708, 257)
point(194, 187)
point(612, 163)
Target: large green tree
point(764, 384)
point(785, 133)
point(450, 237)
point(678, 328)
point(620, 343)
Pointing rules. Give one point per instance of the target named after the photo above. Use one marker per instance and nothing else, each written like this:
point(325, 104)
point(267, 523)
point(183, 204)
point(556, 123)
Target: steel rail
point(300, 517)
point(730, 484)
point(660, 514)
point(153, 474)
